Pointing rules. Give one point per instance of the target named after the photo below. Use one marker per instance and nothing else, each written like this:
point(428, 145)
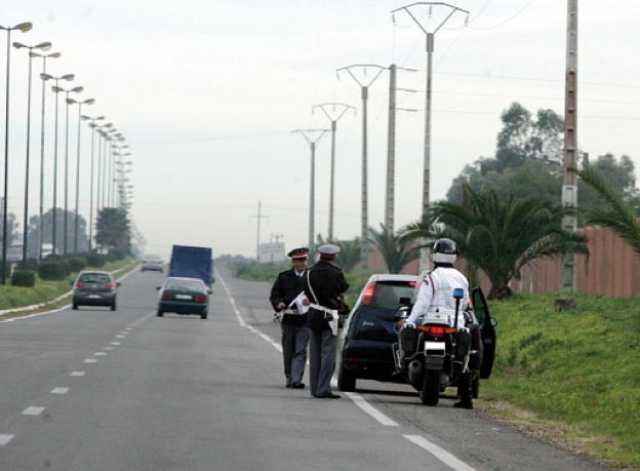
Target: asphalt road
point(125, 390)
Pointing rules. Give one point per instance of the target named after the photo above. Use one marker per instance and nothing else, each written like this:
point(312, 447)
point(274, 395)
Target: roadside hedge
point(96, 260)
point(76, 264)
point(24, 278)
point(54, 270)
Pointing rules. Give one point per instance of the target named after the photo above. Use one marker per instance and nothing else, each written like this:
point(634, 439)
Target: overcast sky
point(207, 92)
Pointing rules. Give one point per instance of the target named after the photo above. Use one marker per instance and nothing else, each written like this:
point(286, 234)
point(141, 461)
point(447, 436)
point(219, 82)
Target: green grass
point(577, 368)
point(44, 291)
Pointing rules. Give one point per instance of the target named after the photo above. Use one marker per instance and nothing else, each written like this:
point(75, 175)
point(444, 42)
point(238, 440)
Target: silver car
point(152, 264)
point(95, 288)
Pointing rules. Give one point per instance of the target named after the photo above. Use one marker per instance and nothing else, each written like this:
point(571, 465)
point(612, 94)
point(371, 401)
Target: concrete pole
point(569, 187)
point(333, 178)
point(93, 140)
point(391, 152)
point(312, 197)
point(258, 231)
point(364, 227)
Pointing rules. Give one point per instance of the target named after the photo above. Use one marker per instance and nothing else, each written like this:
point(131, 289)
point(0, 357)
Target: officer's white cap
point(328, 249)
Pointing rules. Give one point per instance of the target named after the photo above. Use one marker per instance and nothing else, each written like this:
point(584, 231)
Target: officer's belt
point(326, 310)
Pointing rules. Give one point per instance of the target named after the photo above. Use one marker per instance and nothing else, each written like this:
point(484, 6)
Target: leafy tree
point(12, 233)
point(349, 256)
point(396, 250)
point(47, 219)
point(617, 215)
point(501, 235)
point(113, 229)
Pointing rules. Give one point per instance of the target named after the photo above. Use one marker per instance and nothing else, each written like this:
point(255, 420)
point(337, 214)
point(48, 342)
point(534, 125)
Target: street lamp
point(66, 166)
point(53, 55)
point(23, 27)
point(71, 101)
point(44, 46)
point(93, 126)
point(101, 158)
point(56, 89)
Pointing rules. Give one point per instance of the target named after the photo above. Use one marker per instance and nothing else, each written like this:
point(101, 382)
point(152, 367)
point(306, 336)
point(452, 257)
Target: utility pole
point(312, 136)
point(430, 43)
point(364, 83)
point(333, 112)
point(259, 218)
point(569, 186)
point(389, 207)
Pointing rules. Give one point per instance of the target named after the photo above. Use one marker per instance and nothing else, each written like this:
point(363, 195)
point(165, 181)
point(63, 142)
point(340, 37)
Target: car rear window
point(388, 294)
point(98, 278)
point(191, 285)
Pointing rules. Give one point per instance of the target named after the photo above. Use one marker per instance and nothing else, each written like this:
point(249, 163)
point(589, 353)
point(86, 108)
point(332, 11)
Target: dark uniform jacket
point(328, 284)
point(286, 288)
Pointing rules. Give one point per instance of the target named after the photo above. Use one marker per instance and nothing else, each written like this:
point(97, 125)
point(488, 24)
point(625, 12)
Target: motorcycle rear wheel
point(430, 393)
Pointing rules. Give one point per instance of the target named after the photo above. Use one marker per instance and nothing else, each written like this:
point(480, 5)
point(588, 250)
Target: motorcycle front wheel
point(430, 394)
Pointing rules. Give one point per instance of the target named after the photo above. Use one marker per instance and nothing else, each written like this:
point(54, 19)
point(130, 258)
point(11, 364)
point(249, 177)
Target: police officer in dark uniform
point(324, 286)
point(295, 335)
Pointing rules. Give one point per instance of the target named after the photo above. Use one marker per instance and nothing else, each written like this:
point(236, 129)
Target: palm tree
point(396, 250)
point(349, 256)
point(500, 236)
point(619, 216)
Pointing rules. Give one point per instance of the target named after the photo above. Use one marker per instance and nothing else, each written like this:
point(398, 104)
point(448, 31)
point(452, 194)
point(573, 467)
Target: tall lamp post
point(53, 55)
point(23, 27)
point(102, 133)
point(65, 219)
point(54, 221)
point(44, 46)
point(365, 83)
point(88, 101)
point(333, 112)
point(312, 136)
point(92, 125)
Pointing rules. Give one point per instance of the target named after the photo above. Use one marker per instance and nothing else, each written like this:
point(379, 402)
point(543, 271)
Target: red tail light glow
point(436, 330)
point(201, 299)
point(369, 293)
point(167, 295)
point(79, 285)
point(109, 285)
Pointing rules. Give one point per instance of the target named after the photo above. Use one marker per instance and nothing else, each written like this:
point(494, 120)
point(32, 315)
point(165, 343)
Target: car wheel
point(346, 381)
point(113, 306)
point(74, 306)
point(475, 387)
point(430, 393)
point(159, 313)
point(203, 316)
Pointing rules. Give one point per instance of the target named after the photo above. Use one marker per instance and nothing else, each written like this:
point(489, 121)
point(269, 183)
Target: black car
point(365, 344)
point(184, 296)
point(95, 288)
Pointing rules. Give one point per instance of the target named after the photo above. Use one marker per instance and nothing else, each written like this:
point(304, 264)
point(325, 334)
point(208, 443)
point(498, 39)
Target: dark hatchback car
point(95, 288)
point(184, 296)
point(365, 343)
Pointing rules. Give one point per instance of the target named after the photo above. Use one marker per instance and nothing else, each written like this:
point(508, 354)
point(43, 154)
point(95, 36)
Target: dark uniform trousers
point(328, 283)
point(295, 335)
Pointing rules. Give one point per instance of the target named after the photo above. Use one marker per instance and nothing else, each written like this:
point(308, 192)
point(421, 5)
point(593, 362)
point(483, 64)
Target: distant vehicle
point(365, 344)
point(192, 262)
point(47, 249)
point(152, 264)
point(183, 296)
point(95, 288)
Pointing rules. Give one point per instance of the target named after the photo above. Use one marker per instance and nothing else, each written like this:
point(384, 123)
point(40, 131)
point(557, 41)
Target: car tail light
point(369, 293)
point(79, 285)
point(436, 330)
point(167, 295)
point(201, 299)
point(110, 285)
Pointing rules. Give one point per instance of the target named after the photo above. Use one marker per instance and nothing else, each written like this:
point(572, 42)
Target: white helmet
point(444, 251)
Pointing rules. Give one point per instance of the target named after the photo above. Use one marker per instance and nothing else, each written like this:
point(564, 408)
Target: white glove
point(409, 325)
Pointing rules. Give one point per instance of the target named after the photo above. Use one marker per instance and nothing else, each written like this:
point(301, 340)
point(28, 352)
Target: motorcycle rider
point(295, 335)
point(435, 299)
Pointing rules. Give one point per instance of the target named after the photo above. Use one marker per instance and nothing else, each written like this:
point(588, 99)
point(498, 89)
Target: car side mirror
point(209, 291)
point(494, 322)
point(71, 283)
point(158, 288)
point(118, 284)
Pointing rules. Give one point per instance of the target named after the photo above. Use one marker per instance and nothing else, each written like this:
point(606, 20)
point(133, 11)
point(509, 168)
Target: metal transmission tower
point(569, 187)
point(333, 112)
point(259, 217)
point(312, 136)
point(364, 82)
point(430, 35)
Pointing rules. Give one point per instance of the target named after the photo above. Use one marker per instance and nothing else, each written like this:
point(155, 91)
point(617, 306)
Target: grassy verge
point(44, 291)
point(571, 377)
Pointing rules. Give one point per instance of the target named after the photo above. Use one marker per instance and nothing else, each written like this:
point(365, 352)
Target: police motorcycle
point(448, 350)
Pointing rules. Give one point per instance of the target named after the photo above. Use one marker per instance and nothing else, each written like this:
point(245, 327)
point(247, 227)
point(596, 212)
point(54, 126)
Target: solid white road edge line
point(33, 410)
point(77, 373)
point(5, 438)
point(440, 453)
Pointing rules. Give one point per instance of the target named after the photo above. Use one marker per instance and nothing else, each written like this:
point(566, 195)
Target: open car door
point(487, 327)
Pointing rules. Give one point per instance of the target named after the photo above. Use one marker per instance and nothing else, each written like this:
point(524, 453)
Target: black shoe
point(329, 396)
point(297, 386)
point(464, 404)
point(289, 386)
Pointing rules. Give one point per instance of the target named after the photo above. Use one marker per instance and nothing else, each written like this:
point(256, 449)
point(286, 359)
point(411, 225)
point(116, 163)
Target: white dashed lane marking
point(115, 343)
point(90, 360)
point(5, 438)
point(77, 373)
point(60, 390)
point(100, 354)
point(108, 349)
point(120, 336)
point(33, 410)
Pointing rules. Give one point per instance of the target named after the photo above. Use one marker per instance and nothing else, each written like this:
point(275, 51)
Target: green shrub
point(29, 264)
point(96, 260)
point(26, 278)
point(77, 263)
point(54, 270)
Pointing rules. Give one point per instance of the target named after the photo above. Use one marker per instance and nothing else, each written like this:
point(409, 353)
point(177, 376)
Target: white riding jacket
point(435, 303)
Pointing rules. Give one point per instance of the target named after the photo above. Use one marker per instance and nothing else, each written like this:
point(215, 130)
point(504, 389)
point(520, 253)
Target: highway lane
point(100, 390)
point(477, 440)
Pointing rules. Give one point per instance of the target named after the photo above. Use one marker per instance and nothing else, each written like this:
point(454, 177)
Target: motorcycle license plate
point(434, 348)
